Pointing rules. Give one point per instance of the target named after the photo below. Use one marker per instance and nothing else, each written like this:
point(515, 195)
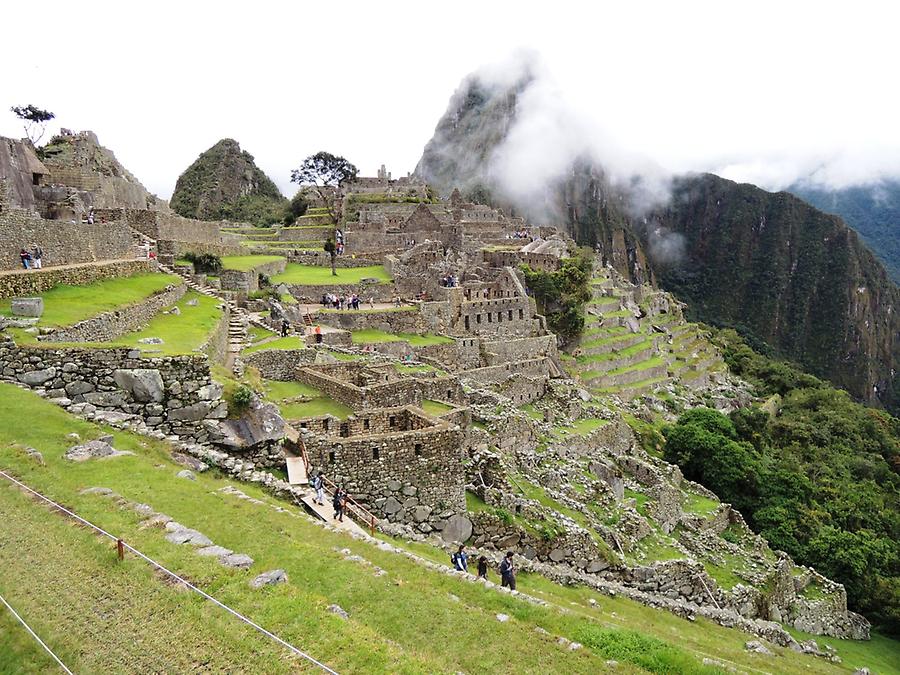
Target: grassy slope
point(406, 621)
point(65, 305)
point(245, 263)
point(374, 336)
point(312, 275)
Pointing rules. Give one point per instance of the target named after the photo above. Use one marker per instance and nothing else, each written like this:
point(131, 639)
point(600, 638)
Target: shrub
point(242, 397)
point(205, 263)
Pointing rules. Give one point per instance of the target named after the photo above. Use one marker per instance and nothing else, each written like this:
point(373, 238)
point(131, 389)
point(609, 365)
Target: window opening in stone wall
point(510, 315)
point(521, 314)
point(325, 424)
point(345, 429)
point(478, 318)
point(366, 424)
point(331, 456)
point(467, 323)
point(376, 453)
point(392, 421)
point(418, 449)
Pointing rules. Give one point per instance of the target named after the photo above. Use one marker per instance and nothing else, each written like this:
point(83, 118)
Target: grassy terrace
point(104, 616)
point(374, 336)
point(67, 305)
point(245, 263)
point(435, 407)
point(282, 393)
point(313, 275)
point(615, 354)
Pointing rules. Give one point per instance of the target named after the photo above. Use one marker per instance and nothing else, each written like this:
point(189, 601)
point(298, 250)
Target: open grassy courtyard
point(313, 275)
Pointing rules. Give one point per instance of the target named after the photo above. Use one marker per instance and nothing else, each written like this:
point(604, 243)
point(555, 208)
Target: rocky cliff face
point(224, 182)
point(788, 275)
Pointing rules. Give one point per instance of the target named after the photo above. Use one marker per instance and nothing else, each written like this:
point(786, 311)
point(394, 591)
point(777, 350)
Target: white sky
point(763, 92)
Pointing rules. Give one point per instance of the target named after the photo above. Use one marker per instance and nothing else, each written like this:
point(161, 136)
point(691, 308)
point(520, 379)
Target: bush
point(205, 263)
point(295, 208)
point(242, 397)
point(562, 295)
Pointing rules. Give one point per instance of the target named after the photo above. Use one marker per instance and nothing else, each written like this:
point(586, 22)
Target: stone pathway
point(50, 268)
point(326, 513)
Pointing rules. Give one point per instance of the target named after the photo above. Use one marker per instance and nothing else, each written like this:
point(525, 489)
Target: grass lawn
point(66, 305)
point(313, 275)
point(435, 407)
point(374, 336)
point(245, 263)
point(280, 392)
point(580, 427)
point(289, 342)
point(181, 334)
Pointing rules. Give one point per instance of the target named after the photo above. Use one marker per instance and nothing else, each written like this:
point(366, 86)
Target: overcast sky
point(763, 92)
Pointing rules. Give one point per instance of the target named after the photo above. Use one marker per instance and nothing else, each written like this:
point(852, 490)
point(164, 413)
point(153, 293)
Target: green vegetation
point(816, 476)
point(182, 333)
point(374, 336)
point(289, 342)
point(312, 402)
point(204, 263)
point(225, 183)
point(66, 305)
point(312, 275)
point(562, 295)
point(435, 407)
point(245, 263)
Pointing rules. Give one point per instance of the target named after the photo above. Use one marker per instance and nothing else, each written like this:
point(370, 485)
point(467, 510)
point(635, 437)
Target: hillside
point(790, 277)
point(872, 210)
point(403, 615)
point(225, 183)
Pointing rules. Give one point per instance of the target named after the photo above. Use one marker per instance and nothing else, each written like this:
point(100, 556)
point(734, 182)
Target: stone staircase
point(144, 244)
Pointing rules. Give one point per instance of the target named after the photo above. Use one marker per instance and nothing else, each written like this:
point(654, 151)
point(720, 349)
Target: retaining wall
point(38, 281)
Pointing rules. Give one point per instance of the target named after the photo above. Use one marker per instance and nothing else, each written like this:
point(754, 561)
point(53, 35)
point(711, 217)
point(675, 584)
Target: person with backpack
point(318, 484)
point(508, 572)
point(482, 568)
point(460, 560)
point(37, 256)
point(338, 503)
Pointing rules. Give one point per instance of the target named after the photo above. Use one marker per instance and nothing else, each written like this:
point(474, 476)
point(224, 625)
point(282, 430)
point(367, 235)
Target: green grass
point(694, 503)
point(313, 275)
point(256, 333)
point(66, 305)
point(640, 500)
point(280, 393)
point(374, 336)
point(245, 263)
point(615, 354)
point(420, 368)
point(289, 342)
point(532, 412)
point(435, 407)
point(581, 427)
point(105, 616)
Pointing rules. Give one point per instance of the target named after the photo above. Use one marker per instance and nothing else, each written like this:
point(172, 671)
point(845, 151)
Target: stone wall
point(216, 345)
point(36, 282)
point(280, 364)
point(64, 243)
point(312, 295)
point(110, 325)
point(330, 382)
point(405, 320)
point(415, 477)
point(248, 282)
point(173, 394)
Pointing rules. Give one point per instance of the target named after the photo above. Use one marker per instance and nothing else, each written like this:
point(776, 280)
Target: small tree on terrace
point(35, 120)
point(331, 249)
point(322, 171)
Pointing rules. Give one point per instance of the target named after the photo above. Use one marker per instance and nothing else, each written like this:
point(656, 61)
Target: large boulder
point(27, 306)
point(145, 385)
point(457, 529)
point(37, 377)
point(93, 449)
point(259, 425)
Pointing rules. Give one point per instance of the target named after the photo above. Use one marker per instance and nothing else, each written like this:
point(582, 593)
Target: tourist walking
point(339, 502)
point(482, 567)
point(25, 257)
point(508, 572)
point(460, 560)
point(318, 332)
point(318, 484)
point(37, 255)
point(285, 327)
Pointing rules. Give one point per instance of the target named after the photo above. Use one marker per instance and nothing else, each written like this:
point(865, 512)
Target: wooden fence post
point(120, 549)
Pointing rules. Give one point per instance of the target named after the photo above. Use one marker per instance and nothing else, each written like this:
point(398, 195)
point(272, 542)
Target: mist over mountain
point(794, 280)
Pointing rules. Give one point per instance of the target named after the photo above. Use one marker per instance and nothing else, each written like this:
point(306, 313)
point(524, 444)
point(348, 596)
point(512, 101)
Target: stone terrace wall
point(64, 243)
point(506, 351)
point(36, 282)
point(216, 346)
point(387, 394)
point(110, 325)
point(414, 476)
point(173, 394)
point(396, 321)
point(247, 282)
point(313, 294)
point(280, 364)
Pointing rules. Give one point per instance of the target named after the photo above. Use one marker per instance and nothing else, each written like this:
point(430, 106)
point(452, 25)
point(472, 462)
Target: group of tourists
point(339, 242)
point(519, 234)
point(450, 280)
point(459, 559)
point(460, 562)
point(353, 301)
point(33, 259)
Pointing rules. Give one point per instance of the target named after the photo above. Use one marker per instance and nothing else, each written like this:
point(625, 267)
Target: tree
point(322, 171)
point(295, 208)
point(331, 249)
point(35, 120)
